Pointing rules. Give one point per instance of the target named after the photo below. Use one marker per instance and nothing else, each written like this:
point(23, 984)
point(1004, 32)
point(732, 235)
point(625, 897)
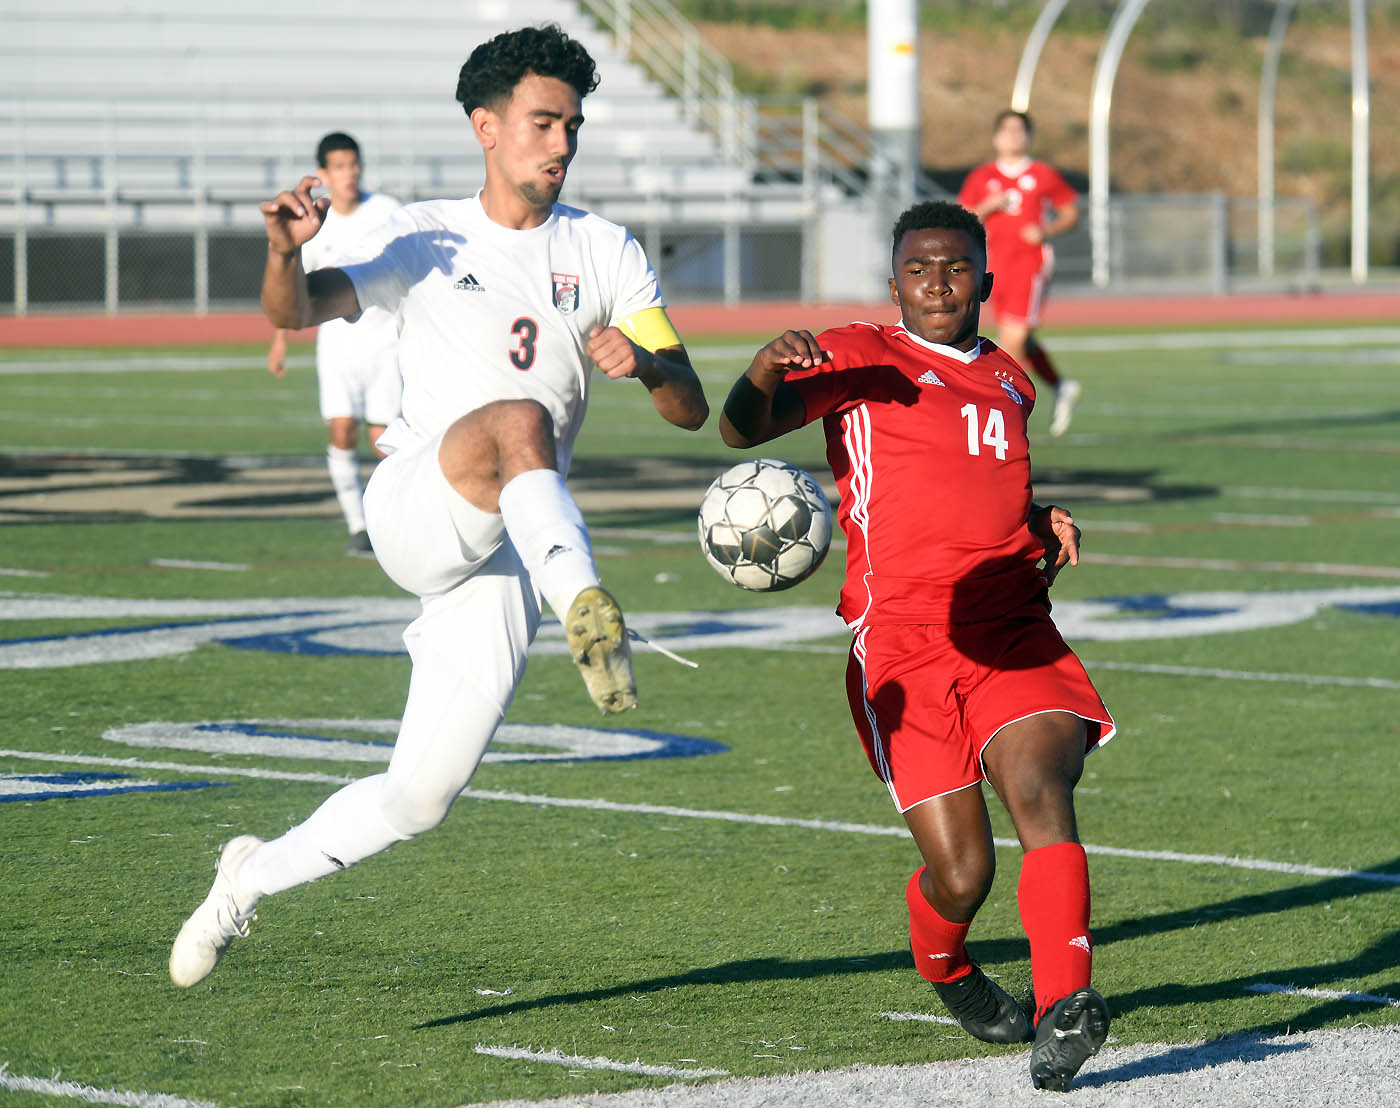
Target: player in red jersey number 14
point(956, 673)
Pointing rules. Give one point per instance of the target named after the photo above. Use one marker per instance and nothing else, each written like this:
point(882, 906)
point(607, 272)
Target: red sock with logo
point(1054, 899)
point(939, 950)
point(1041, 363)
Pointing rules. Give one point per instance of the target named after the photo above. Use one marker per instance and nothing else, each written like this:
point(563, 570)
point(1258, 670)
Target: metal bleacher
point(153, 106)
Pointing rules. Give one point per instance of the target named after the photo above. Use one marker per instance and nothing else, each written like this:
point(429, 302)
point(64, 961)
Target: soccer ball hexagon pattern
point(765, 525)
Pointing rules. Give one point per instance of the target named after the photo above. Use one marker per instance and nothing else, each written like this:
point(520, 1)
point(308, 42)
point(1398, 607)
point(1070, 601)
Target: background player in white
point(507, 300)
point(357, 365)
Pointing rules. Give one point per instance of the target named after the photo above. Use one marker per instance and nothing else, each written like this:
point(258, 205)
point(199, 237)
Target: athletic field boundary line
point(759, 819)
point(577, 1062)
point(73, 1090)
point(1324, 994)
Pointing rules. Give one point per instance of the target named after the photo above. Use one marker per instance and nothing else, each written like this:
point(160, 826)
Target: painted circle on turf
point(304, 739)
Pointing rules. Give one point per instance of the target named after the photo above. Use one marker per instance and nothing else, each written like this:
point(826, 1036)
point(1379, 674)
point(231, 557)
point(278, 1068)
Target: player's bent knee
point(956, 890)
point(412, 811)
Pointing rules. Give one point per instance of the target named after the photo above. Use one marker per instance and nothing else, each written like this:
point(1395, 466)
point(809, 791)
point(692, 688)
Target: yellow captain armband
point(650, 329)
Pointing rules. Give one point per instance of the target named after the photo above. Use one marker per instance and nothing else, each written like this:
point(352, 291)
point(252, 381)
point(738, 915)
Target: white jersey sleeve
point(637, 286)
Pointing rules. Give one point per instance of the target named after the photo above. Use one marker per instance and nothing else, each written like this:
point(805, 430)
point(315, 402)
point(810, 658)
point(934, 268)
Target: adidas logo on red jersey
point(928, 377)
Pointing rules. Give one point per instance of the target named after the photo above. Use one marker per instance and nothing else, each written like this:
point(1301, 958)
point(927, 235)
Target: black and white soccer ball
point(765, 525)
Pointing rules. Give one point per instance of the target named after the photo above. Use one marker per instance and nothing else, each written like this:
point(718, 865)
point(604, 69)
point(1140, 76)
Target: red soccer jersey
point(1030, 190)
point(929, 449)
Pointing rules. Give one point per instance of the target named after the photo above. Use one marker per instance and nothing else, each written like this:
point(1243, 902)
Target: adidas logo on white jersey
point(930, 378)
point(469, 284)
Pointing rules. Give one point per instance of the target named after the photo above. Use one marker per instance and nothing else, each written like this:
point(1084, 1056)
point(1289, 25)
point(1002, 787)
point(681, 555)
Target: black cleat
point(984, 1009)
point(1067, 1037)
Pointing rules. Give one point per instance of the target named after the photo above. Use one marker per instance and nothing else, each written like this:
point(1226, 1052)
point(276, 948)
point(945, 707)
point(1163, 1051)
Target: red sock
point(1041, 363)
point(1054, 900)
point(939, 953)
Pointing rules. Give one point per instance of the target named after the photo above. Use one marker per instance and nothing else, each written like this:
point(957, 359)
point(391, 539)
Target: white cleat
point(222, 918)
point(1066, 396)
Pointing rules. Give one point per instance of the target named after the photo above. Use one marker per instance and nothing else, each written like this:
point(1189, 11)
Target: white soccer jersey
point(488, 313)
point(338, 234)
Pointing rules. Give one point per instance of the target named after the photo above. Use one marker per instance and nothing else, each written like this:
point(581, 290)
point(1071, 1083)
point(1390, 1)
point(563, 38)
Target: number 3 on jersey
point(526, 332)
point(993, 433)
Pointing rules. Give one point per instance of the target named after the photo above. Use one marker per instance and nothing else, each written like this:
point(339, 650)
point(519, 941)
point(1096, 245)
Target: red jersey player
point(1015, 196)
point(957, 673)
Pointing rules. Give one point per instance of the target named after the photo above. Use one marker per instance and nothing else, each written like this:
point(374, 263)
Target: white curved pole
point(1030, 53)
point(1360, 146)
point(1101, 101)
point(1268, 87)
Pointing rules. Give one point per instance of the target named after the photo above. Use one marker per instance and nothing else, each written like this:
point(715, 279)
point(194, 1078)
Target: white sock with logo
point(344, 466)
point(544, 522)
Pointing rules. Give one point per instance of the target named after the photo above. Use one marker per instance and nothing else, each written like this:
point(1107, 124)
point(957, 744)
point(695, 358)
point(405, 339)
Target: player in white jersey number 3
point(357, 368)
point(506, 300)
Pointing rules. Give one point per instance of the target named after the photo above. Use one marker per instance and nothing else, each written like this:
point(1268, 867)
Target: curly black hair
point(489, 76)
point(935, 215)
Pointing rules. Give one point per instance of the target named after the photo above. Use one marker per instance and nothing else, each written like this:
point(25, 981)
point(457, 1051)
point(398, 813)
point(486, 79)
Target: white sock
point(545, 525)
point(344, 466)
point(347, 828)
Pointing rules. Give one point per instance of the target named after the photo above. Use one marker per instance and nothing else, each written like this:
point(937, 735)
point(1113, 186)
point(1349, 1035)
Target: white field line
point(1358, 496)
point(138, 364)
point(5, 572)
point(920, 1017)
point(72, 1090)
point(185, 563)
point(1231, 565)
point(1248, 675)
point(576, 1062)
point(1324, 994)
point(760, 819)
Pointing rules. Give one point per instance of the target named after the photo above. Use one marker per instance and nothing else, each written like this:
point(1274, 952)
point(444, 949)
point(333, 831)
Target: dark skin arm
point(1054, 527)
point(762, 406)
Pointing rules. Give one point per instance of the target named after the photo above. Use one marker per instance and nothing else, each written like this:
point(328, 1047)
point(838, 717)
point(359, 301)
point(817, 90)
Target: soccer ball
point(765, 525)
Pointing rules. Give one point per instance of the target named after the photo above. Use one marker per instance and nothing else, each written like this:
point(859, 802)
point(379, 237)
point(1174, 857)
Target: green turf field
point(171, 556)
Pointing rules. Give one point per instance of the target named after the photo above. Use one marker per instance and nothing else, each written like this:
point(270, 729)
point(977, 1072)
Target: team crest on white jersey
point(565, 292)
point(1008, 387)
point(928, 377)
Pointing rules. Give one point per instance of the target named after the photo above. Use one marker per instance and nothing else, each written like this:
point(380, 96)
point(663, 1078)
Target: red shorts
point(927, 700)
point(1019, 286)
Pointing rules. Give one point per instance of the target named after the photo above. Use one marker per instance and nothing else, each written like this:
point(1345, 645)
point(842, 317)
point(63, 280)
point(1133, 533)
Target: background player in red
point(957, 673)
point(1015, 197)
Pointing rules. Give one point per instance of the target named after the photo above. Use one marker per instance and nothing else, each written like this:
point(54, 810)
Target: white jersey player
point(356, 360)
point(506, 301)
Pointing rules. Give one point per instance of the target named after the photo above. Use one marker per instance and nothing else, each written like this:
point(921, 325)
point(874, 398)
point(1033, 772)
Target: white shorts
point(357, 368)
point(426, 536)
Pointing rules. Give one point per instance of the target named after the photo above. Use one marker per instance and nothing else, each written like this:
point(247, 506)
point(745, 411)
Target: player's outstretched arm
point(675, 390)
point(1054, 527)
point(289, 298)
point(762, 405)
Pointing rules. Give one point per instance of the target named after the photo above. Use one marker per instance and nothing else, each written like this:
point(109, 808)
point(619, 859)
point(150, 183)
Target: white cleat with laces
point(1066, 396)
point(222, 917)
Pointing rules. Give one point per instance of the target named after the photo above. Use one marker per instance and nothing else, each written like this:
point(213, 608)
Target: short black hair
point(336, 140)
point(937, 215)
point(1012, 113)
point(489, 76)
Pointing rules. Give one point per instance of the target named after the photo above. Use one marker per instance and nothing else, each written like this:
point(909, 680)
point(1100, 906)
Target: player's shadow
point(1255, 904)
point(1190, 1057)
point(728, 973)
point(1380, 957)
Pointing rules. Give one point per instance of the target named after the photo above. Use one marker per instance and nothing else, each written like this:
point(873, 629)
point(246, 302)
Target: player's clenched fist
point(790, 350)
point(293, 217)
point(1056, 529)
point(613, 352)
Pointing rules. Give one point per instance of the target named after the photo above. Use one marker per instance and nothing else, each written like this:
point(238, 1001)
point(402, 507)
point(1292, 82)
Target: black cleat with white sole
point(1066, 1037)
point(984, 1009)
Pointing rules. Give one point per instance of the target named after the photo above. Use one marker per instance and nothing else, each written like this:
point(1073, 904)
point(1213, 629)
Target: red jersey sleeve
point(1058, 192)
point(974, 188)
point(829, 388)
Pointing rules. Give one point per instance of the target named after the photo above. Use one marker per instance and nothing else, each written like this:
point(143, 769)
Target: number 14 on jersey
point(992, 433)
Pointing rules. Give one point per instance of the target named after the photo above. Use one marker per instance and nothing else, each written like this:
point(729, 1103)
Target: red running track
point(756, 319)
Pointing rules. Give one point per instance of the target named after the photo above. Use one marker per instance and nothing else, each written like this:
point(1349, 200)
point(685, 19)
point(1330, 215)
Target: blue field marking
point(81, 786)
